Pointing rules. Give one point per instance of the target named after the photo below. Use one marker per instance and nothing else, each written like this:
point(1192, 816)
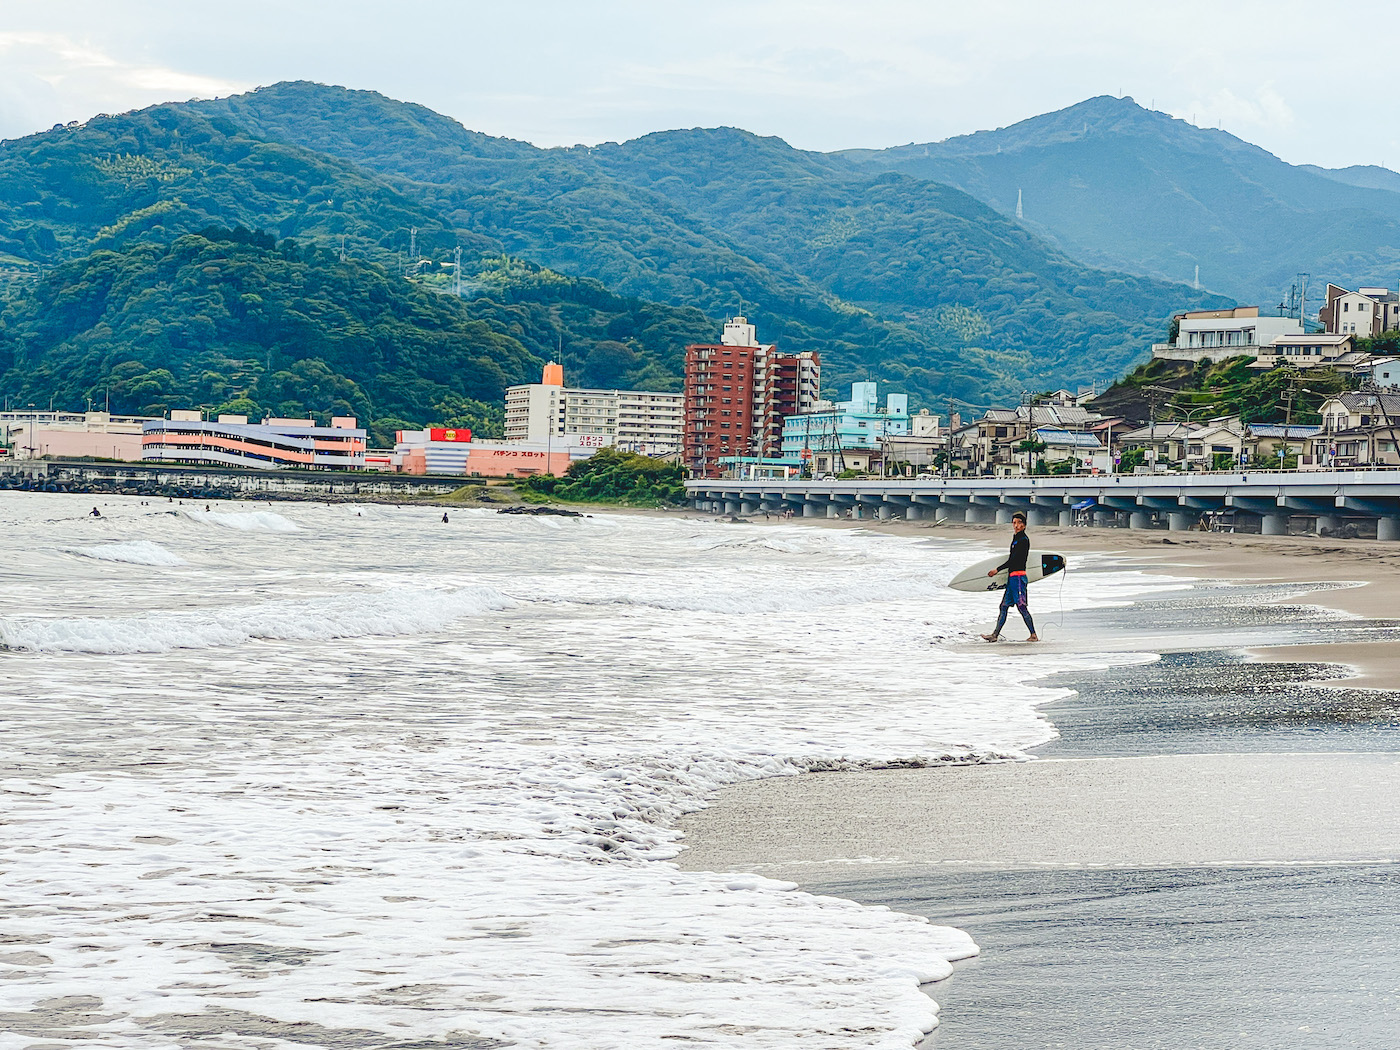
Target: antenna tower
point(413, 248)
point(457, 272)
point(1019, 213)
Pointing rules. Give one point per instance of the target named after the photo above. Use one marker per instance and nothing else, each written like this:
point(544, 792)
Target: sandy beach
point(1370, 570)
point(995, 848)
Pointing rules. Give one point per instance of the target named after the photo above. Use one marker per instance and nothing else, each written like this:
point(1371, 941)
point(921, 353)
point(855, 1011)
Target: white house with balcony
point(1313, 350)
point(1221, 334)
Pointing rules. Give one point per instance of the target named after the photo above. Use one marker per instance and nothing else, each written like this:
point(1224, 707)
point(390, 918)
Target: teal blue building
point(855, 425)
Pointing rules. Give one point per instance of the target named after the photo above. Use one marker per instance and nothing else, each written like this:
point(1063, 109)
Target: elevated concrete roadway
point(1270, 502)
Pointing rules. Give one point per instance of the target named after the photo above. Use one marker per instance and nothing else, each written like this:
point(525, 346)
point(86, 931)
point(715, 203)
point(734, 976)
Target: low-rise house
point(1264, 440)
point(1062, 445)
point(1360, 428)
point(1383, 371)
point(988, 445)
point(1359, 408)
point(1314, 350)
point(1164, 443)
point(1208, 444)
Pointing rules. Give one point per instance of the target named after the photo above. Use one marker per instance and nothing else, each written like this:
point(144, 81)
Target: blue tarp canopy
point(1083, 504)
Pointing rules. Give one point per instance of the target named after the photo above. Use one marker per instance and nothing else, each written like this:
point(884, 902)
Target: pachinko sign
point(442, 434)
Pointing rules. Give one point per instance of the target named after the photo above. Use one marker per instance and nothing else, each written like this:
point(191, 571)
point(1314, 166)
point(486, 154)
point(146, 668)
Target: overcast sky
point(1302, 80)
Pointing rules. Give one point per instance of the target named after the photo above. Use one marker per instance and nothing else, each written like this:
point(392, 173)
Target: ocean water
point(291, 775)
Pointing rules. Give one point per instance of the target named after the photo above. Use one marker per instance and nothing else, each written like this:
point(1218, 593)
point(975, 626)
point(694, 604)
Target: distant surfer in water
point(1016, 580)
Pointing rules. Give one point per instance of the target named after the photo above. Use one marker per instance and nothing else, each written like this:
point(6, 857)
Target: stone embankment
point(177, 482)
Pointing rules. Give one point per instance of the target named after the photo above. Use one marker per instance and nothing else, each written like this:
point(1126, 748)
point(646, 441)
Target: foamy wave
point(758, 598)
point(248, 521)
point(397, 612)
point(137, 552)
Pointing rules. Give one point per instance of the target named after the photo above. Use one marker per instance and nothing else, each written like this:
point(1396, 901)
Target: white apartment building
point(646, 421)
point(1221, 334)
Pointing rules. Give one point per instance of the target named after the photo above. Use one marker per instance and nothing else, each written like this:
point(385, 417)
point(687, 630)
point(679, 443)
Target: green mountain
point(890, 277)
point(1119, 186)
point(127, 266)
point(125, 258)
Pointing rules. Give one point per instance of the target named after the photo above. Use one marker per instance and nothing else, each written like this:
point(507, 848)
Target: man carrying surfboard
point(1016, 582)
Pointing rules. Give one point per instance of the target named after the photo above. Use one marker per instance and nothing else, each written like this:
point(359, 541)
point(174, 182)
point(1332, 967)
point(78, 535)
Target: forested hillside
point(609, 258)
point(147, 294)
point(1124, 187)
point(889, 277)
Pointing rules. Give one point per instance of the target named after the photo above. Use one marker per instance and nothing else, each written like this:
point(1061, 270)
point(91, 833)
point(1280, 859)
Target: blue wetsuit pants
point(1015, 594)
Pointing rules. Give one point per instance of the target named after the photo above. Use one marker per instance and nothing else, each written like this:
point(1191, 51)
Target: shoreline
point(1371, 568)
point(1045, 862)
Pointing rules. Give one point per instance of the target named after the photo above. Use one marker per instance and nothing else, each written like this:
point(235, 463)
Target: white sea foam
point(137, 552)
point(446, 832)
point(403, 611)
point(245, 521)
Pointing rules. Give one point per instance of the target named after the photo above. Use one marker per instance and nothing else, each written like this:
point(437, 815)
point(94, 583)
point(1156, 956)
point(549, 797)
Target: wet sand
point(1208, 858)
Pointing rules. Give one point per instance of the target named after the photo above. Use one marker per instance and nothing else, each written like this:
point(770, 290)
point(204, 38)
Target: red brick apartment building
point(737, 393)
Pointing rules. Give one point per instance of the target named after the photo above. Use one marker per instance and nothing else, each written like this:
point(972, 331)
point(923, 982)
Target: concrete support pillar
point(1044, 516)
point(1180, 521)
point(1003, 515)
point(914, 512)
point(747, 508)
point(1332, 524)
point(883, 512)
point(832, 510)
point(1274, 525)
point(1066, 518)
point(731, 507)
point(809, 510)
point(1388, 528)
point(1139, 519)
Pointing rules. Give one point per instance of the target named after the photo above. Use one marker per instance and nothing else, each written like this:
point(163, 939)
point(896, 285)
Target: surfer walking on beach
point(1016, 580)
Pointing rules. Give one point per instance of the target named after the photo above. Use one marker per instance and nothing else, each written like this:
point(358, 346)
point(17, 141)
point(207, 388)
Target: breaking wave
point(402, 611)
point(248, 521)
point(136, 552)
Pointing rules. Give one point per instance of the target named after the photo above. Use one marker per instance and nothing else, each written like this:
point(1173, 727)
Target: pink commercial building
point(440, 450)
point(232, 441)
point(71, 435)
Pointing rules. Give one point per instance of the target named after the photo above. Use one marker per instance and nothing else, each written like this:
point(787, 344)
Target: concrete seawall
point(203, 482)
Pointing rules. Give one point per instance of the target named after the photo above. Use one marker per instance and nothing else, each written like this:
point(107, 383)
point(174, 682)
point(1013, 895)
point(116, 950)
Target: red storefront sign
point(441, 434)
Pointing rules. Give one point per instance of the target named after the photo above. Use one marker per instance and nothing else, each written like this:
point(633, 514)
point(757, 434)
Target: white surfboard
point(1039, 564)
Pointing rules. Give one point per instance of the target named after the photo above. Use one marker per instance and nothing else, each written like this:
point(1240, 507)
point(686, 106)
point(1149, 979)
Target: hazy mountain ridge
point(1118, 185)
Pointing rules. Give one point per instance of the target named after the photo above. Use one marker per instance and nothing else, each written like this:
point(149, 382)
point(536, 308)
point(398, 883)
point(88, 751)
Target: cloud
point(52, 78)
point(1263, 109)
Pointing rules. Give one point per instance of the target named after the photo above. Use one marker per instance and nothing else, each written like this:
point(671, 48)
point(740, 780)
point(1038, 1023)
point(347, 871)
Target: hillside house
point(1364, 313)
point(1314, 350)
point(1222, 334)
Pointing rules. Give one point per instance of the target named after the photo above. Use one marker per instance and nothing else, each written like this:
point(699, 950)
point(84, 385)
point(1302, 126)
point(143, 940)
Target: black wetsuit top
point(1016, 560)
